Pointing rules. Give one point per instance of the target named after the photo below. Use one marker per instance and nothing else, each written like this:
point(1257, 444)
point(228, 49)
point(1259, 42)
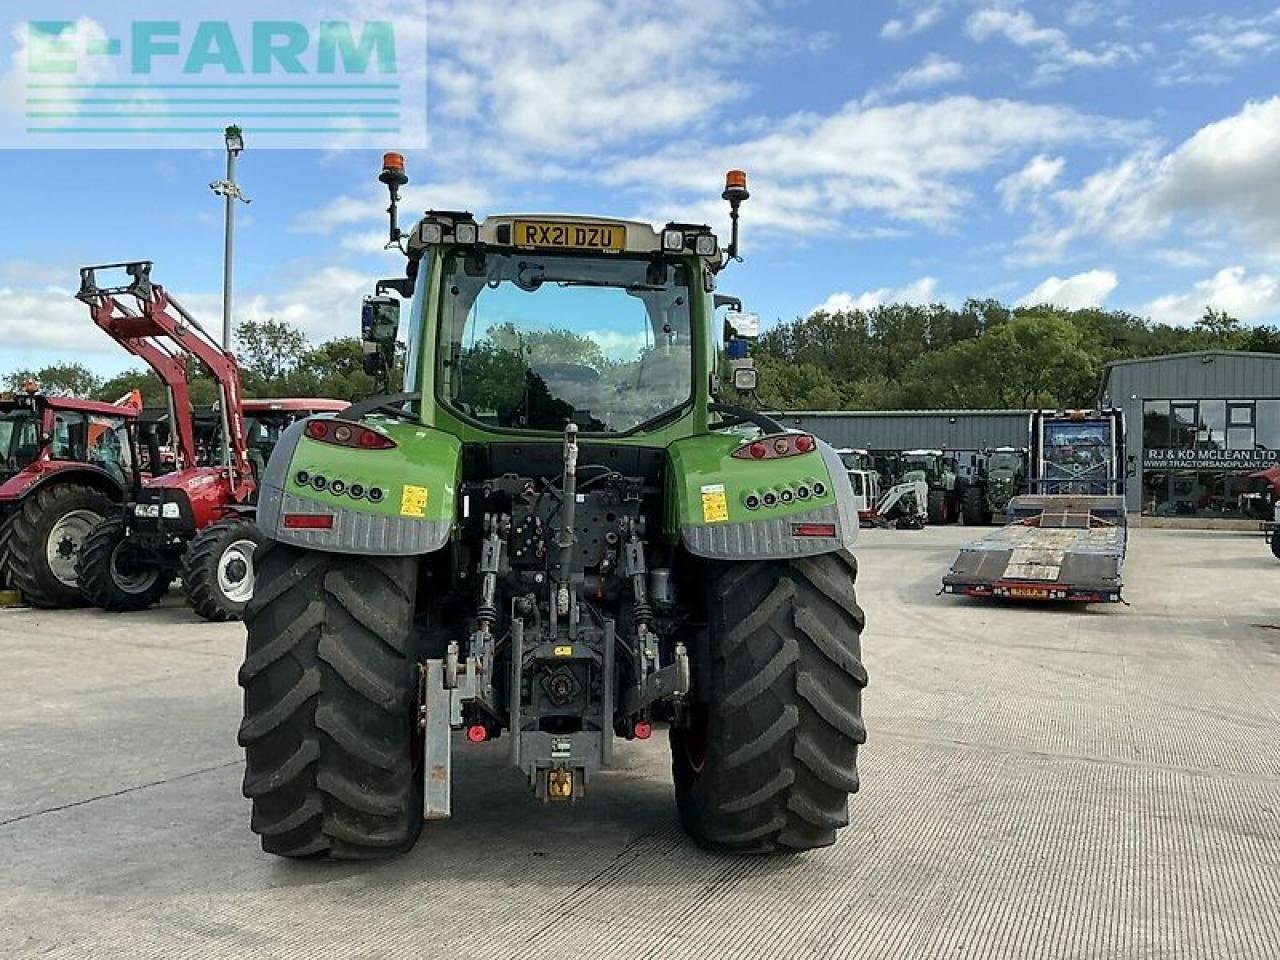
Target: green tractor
point(941, 474)
point(560, 535)
point(998, 476)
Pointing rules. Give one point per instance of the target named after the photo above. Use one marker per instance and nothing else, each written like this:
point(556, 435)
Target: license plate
point(549, 235)
point(1028, 593)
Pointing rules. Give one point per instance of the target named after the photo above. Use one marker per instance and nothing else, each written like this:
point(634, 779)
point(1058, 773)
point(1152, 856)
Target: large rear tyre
point(937, 509)
point(46, 538)
point(333, 753)
point(116, 575)
point(975, 509)
point(6, 525)
point(217, 569)
point(769, 756)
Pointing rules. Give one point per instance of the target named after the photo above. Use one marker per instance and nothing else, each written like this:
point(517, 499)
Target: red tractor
point(64, 465)
point(195, 522)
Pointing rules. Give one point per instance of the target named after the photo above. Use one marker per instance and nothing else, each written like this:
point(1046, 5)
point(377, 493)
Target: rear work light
point(308, 521)
point(776, 447)
point(344, 434)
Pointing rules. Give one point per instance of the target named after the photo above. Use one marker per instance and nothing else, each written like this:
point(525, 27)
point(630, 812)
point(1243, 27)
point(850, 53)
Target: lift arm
point(159, 331)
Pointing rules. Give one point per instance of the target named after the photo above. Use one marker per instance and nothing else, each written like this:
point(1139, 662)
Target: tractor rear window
point(19, 440)
point(533, 342)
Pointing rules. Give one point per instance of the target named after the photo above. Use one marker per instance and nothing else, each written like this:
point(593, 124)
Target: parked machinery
point(941, 474)
point(66, 465)
point(864, 480)
point(1066, 536)
point(195, 521)
point(998, 476)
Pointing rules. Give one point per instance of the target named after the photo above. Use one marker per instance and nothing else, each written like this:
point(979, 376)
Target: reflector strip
point(813, 529)
point(308, 521)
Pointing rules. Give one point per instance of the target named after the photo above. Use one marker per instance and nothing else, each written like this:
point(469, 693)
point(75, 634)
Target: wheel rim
point(130, 577)
point(235, 571)
point(62, 549)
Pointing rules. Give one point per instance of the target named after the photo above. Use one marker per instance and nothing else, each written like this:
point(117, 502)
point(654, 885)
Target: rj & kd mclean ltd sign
point(1172, 459)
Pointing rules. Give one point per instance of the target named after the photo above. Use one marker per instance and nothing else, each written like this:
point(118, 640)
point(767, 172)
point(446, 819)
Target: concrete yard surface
point(1039, 782)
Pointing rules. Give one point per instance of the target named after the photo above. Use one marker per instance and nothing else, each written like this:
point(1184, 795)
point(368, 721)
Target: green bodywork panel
point(702, 471)
point(423, 458)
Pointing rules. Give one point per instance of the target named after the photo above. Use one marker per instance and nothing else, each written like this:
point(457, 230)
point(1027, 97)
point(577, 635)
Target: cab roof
point(292, 405)
point(10, 398)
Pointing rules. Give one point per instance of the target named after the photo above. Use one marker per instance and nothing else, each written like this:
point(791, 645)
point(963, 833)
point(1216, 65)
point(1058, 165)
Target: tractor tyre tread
point(29, 530)
point(97, 583)
point(783, 708)
point(332, 748)
point(199, 568)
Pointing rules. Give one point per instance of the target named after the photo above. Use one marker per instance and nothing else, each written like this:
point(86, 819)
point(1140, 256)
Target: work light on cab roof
point(559, 232)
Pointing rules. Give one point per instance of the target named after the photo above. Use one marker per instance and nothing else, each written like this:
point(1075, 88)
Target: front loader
point(196, 521)
point(562, 535)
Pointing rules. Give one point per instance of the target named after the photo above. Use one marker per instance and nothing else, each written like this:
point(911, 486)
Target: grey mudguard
point(353, 531)
point(772, 538)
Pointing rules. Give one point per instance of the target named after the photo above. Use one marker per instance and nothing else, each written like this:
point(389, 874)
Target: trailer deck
point(1055, 548)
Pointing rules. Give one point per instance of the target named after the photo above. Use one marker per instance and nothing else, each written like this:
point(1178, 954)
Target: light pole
point(229, 189)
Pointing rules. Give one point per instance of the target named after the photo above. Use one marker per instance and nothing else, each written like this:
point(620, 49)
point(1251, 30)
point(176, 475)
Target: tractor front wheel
point(46, 538)
point(333, 753)
point(768, 757)
point(217, 569)
point(116, 574)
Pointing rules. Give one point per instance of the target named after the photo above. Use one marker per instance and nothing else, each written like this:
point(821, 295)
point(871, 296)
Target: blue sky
point(1126, 154)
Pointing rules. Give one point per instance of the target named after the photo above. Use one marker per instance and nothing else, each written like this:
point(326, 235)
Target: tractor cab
point(931, 466)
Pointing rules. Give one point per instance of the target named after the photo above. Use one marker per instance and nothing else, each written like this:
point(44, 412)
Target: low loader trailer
point(1065, 540)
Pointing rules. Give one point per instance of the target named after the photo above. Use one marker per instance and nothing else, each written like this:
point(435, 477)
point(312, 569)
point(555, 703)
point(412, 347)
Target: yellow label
point(563, 651)
point(715, 505)
point(413, 501)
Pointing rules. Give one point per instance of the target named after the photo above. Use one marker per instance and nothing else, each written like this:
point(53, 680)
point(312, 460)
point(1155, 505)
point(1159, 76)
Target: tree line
point(897, 356)
point(978, 356)
point(276, 360)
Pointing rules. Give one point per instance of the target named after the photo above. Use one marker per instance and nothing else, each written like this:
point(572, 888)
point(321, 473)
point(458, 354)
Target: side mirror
point(741, 326)
point(379, 327)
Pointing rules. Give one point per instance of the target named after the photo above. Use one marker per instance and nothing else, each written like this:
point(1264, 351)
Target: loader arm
point(159, 331)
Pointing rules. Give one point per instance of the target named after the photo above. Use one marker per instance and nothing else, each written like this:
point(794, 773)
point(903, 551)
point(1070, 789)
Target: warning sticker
point(413, 501)
point(715, 505)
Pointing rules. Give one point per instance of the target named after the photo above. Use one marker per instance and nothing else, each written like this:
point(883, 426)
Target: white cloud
point(907, 161)
point(1050, 46)
point(1089, 289)
point(934, 70)
point(1217, 43)
point(923, 290)
point(1224, 180)
point(1233, 289)
point(922, 19)
point(573, 75)
point(325, 303)
point(1040, 173)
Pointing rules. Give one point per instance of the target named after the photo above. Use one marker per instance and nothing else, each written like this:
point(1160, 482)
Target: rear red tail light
point(308, 521)
point(813, 529)
point(344, 434)
point(776, 447)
